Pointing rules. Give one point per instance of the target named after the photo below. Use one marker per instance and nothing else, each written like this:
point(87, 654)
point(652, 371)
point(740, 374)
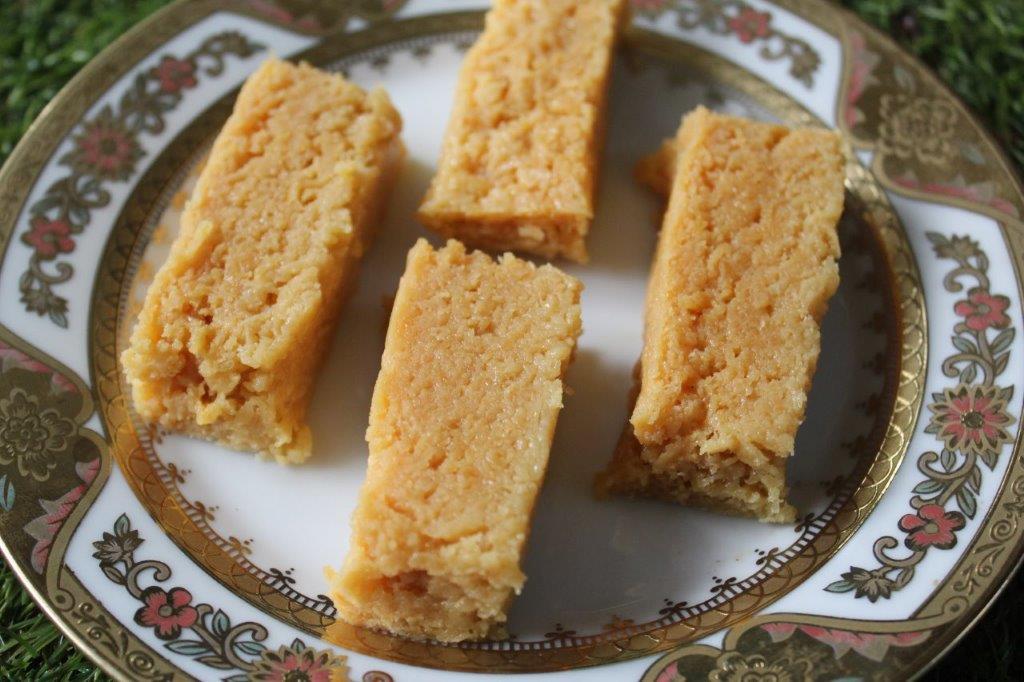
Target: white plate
point(905, 473)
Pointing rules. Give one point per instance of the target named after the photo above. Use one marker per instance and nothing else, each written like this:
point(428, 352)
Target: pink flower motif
point(971, 419)
point(44, 528)
point(871, 646)
point(166, 612)
point(12, 356)
point(9, 353)
point(840, 640)
point(863, 64)
point(62, 383)
point(932, 526)
point(669, 674)
point(960, 191)
point(297, 663)
point(750, 24)
point(104, 147)
point(982, 310)
point(779, 631)
point(174, 74)
point(49, 237)
point(909, 638)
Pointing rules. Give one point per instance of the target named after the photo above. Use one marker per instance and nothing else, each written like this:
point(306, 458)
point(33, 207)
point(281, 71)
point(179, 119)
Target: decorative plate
point(164, 557)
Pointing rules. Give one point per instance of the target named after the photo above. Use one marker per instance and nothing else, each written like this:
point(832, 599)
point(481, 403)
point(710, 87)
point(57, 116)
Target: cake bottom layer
point(715, 481)
point(448, 608)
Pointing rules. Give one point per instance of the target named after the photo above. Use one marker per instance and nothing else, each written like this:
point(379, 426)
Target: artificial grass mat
point(977, 46)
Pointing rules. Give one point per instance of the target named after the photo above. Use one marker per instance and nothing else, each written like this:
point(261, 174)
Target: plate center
point(596, 569)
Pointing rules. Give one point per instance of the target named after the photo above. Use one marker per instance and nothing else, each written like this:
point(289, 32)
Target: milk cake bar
point(461, 423)
point(237, 319)
point(519, 160)
point(744, 268)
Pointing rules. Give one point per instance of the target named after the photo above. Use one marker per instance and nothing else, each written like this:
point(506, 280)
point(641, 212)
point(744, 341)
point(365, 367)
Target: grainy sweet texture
point(744, 269)
point(520, 156)
point(461, 423)
point(238, 318)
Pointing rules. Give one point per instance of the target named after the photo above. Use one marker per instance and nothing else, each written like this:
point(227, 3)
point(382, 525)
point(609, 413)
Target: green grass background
point(976, 46)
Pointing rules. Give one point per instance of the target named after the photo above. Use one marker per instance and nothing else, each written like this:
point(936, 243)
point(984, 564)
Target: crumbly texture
point(237, 319)
point(461, 423)
point(520, 157)
point(744, 269)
